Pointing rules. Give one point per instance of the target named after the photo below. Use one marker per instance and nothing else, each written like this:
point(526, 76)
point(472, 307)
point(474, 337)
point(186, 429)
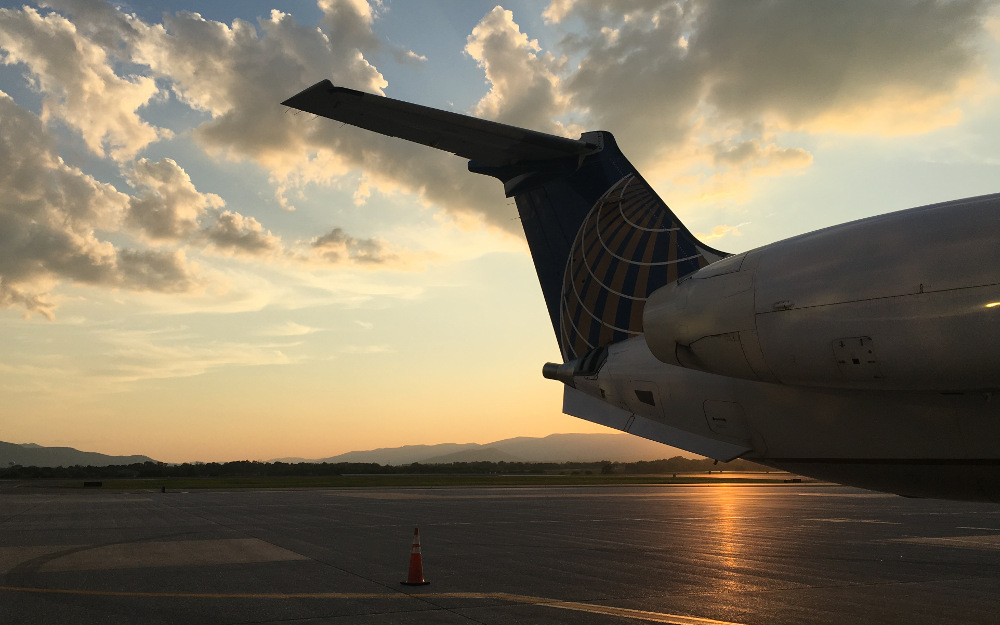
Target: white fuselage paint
point(897, 302)
point(755, 351)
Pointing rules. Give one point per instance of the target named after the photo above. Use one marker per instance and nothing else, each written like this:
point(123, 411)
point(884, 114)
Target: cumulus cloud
point(348, 23)
point(238, 234)
point(349, 27)
point(168, 205)
point(524, 87)
point(784, 62)
point(49, 212)
point(100, 22)
point(635, 78)
point(239, 76)
point(703, 93)
point(798, 61)
point(336, 247)
point(155, 270)
point(685, 86)
point(79, 86)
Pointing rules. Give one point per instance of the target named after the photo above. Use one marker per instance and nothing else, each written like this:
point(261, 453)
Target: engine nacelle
point(905, 301)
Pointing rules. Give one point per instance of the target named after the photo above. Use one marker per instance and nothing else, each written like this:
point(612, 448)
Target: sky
point(190, 271)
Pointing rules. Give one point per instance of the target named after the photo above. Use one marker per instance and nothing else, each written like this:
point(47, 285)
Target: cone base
point(424, 583)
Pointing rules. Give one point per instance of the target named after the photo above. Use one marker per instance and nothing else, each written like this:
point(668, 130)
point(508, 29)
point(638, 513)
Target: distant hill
point(552, 448)
point(484, 454)
point(391, 455)
point(32, 455)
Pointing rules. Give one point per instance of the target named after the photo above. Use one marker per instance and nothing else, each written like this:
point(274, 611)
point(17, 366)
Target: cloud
point(337, 247)
point(685, 86)
point(168, 205)
point(634, 77)
point(721, 231)
point(762, 159)
point(703, 95)
point(100, 22)
point(524, 87)
point(174, 353)
point(799, 62)
point(253, 72)
point(155, 270)
point(79, 86)
point(993, 27)
point(290, 328)
point(785, 63)
point(239, 76)
point(49, 212)
point(348, 24)
point(237, 234)
point(408, 57)
point(239, 73)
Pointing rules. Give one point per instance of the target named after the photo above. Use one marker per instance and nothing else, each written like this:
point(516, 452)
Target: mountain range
point(32, 455)
point(552, 448)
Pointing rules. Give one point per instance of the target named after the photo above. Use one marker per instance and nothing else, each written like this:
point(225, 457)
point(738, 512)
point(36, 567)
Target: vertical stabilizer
point(601, 240)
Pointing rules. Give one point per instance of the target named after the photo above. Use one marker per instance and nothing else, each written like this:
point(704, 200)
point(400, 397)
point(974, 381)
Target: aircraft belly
point(923, 444)
point(579, 404)
point(776, 421)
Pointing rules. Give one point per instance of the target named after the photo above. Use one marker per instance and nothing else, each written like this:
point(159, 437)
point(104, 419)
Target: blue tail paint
point(601, 240)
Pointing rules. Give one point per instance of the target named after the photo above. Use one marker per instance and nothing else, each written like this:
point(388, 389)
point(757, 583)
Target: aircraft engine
point(882, 303)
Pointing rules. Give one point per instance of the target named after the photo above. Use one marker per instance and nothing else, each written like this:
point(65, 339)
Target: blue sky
point(192, 272)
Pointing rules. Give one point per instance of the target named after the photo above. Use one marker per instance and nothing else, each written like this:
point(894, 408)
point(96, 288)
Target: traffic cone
point(416, 574)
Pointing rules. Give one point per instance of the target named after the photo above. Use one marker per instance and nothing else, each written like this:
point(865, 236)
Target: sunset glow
point(190, 271)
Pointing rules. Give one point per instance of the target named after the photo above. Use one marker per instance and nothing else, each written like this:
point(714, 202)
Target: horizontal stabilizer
point(488, 142)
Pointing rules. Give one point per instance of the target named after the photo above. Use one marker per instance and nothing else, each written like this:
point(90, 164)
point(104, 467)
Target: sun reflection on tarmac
point(727, 526)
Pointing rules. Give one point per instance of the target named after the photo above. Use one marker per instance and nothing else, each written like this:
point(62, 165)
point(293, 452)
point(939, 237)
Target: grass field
point(347, 481)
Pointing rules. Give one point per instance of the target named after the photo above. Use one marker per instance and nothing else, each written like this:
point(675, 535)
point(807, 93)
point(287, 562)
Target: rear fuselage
point(867, 353)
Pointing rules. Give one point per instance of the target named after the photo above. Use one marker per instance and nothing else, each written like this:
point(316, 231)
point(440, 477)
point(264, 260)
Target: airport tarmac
point(691, 555)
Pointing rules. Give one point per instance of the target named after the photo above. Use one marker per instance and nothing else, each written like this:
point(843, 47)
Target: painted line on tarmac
point(653, 617)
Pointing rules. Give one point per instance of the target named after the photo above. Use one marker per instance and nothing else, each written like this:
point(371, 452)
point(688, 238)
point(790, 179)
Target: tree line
point(255, 468)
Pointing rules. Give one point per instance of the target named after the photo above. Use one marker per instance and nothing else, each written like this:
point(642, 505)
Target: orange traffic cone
point(416, 575)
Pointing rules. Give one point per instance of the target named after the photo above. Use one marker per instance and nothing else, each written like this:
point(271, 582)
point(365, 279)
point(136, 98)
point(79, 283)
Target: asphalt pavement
point(717, 553)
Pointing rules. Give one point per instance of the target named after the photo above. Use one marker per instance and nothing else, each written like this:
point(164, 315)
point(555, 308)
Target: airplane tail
point(601, 239)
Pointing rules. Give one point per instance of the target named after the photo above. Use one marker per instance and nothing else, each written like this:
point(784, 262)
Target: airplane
point(866, 353)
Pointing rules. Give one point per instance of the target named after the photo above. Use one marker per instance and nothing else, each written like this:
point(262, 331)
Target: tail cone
point(416, 574)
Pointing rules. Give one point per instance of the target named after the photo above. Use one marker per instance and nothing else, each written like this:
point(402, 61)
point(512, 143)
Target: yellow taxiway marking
point(653, 617)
